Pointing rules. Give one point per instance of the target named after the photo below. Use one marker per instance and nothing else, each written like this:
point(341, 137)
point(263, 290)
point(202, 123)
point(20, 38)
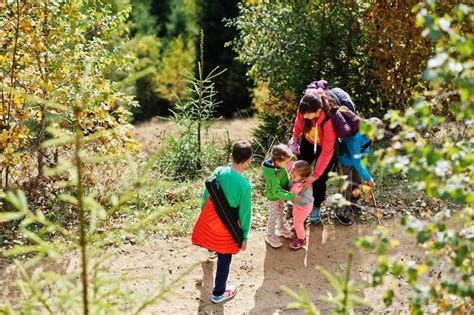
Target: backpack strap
point(228, 215)
point(366, 145)
point(325, 120)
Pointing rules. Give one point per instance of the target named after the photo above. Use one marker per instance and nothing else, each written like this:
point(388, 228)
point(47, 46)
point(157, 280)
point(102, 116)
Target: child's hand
point(244, 246)
point(297, 198)
point(371, 183)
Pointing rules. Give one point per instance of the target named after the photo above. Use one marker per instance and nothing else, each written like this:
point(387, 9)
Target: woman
point(318, 143)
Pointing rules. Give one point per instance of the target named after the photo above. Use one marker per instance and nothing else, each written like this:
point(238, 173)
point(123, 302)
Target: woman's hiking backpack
point(228, 215)
point(342, 113)
point(344, 121)
point(341, 97)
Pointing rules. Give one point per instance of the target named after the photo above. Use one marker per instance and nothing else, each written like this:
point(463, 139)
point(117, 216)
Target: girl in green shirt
point(276, 191)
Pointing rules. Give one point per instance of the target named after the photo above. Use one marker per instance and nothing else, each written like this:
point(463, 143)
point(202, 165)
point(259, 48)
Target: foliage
point(443, 171)
point(90, 289)
point(187, 155)
point(234, 85)
point(288, 44)
point(144, 23)
point(171, 76)
point(398, 53)
point(182, 19)
point(44, 47)
point(275, 120)
point(180, 160)
point(171, 55)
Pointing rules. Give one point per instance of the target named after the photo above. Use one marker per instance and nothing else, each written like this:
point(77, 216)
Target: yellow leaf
point(367, 197)
point(394, 243)
point(356, 193)
point(421, 270)
point(25, 26)
point(379, 215)
point(365, 188)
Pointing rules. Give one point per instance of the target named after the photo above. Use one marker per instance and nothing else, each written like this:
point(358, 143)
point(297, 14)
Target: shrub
point(186, 155)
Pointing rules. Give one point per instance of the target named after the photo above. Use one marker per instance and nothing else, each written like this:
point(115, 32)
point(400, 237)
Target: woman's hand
point(297, 198)
point(309, 182)
point(244, 246)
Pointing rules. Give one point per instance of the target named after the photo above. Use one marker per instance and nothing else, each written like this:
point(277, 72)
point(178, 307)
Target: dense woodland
point(77, 75)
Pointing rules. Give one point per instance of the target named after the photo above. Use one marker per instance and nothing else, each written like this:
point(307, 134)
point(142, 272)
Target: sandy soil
point(259, 272)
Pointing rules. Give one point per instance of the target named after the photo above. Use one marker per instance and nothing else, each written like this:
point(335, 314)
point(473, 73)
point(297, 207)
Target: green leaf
point(412, 275)
point(397, 268)
point(388, 297)
point(17, 200)
point(423, 236)
point(62, 140)
point(10, 216)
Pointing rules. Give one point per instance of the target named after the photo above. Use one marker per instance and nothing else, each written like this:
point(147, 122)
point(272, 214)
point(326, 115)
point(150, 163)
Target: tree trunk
point(41, 137)
point(42, 125)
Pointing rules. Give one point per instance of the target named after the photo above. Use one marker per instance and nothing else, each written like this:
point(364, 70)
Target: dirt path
point(258, 272)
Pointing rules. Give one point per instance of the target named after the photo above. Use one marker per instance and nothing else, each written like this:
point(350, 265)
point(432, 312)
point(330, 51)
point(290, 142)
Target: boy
point(351, 151)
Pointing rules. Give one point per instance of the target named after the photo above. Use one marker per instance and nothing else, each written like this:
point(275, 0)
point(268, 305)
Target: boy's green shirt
point(237, 191)
point(276, 182)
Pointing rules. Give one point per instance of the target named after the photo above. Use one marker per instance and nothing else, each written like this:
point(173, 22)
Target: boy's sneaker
point(284, 232)
point(211, 254)
point(273, 241)
point(230, 292)
point(344, 220)
point(298, 243)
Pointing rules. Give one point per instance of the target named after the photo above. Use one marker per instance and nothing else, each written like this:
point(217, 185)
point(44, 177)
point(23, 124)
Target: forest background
point(75, 75)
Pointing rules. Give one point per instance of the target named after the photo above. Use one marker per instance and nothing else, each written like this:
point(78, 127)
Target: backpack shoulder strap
point(325, 120)
point(366, 145)
point(227, 214)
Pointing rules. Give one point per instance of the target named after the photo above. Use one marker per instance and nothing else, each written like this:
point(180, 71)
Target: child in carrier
point(276, 191)
point(351, 152)
point(301, 209)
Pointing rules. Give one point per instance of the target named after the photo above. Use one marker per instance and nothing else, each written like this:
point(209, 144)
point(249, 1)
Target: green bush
point(288, 44)
point(179, 158)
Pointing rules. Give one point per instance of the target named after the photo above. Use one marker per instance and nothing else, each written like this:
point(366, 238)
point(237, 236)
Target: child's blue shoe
point(315, 216)
point(229, 293)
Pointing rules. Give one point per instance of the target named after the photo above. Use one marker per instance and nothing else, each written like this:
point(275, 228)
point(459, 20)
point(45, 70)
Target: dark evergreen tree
point(233, 85)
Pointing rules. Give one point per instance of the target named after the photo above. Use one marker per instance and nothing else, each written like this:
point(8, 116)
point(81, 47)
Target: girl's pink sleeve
point(299, 125)
point(328, 144)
